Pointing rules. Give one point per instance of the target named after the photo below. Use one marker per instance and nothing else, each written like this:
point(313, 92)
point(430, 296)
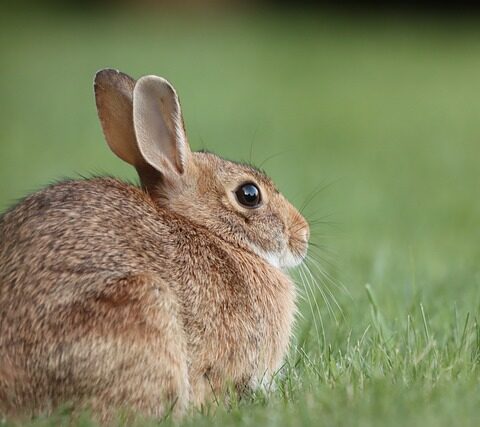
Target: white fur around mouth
point(281, 260)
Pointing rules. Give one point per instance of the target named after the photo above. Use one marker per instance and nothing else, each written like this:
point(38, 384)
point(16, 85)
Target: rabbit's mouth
point(284, 259)
point(290, 259)
point(292, 249)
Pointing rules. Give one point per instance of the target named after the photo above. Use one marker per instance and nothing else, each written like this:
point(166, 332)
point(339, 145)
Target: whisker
point(315, 193)
point(320, 236)
point(310, 285)
point(310, 294)
point(322, 293)
point(319, 246)
point(323, 272)
point(302, 297)
point(254, 137)
point(330, 293)
point(325, 256)
point(322, 220)
point(273, 156)
point(310, 196)
point(340, 285)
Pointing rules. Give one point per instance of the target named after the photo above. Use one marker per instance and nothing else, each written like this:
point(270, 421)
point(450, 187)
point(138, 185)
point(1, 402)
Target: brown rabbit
point(145, 298)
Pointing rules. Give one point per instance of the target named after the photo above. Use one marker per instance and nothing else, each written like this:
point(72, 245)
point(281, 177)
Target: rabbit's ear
point(114, 98)
point(158, 124)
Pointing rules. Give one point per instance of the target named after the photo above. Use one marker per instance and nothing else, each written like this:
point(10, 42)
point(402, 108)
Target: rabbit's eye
point(248, 195)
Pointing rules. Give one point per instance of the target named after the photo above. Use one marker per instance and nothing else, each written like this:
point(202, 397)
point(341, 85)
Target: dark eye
point(248, 195)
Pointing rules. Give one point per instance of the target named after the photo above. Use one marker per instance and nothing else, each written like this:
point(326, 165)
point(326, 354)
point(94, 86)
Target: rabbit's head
point(143, 125)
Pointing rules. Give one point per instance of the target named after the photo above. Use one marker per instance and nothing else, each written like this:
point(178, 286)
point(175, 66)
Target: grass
point(383, 113)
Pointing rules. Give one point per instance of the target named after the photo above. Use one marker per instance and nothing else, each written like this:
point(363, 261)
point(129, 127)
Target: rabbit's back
point(57, 243)
point(76, 227)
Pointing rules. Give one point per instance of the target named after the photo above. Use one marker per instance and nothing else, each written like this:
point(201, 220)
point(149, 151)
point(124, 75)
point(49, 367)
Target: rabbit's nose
point(303, 231)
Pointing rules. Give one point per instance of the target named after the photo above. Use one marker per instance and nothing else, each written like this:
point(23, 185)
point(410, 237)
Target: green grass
point(387, 112)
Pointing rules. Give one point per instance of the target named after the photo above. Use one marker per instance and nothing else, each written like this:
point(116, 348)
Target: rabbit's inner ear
point(158, 124)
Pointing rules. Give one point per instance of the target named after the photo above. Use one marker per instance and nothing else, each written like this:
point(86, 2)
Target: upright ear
point(114, 98)
point(158, 123)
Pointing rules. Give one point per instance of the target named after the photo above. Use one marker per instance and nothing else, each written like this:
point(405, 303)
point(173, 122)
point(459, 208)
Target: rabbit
point(152, 298)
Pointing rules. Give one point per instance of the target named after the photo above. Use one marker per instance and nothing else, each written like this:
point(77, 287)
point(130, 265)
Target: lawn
point(374, 121)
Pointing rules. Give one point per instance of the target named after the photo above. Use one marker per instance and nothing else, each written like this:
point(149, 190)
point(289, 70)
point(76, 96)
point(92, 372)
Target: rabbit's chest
point(238, 323)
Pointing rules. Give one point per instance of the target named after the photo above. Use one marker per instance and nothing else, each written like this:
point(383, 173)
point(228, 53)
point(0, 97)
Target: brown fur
point(116, 297)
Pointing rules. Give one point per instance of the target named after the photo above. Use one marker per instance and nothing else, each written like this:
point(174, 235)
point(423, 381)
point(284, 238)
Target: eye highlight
point(248, 195)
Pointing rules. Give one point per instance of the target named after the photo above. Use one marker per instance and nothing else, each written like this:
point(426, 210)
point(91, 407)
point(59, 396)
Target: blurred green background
point(381, 110)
